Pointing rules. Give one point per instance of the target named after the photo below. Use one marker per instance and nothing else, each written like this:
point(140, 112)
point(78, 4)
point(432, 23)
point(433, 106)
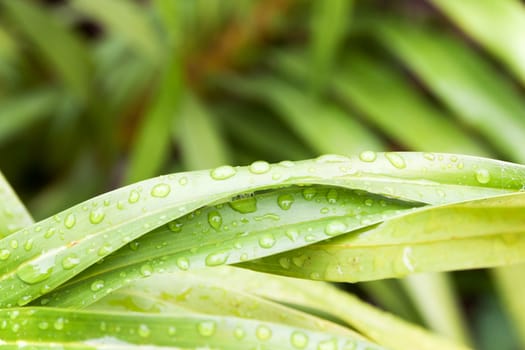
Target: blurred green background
point(95, 94)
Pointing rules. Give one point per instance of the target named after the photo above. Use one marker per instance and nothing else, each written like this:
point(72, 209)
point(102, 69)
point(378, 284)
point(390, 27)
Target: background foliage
point(97, 94)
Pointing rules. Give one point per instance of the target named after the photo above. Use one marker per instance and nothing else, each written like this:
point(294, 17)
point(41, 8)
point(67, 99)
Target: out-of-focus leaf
point(8, 47)
point(444, 314)
point(497, 25)
point(73, 329)
point(151, 145)
point(328, 25)
point(200, 139)
point(210, 292)
point(13, 214)
point(326, 128)
point(127, 20)
point(467, 84)
point(19, 112)
point(510, 280)
point(64, 52)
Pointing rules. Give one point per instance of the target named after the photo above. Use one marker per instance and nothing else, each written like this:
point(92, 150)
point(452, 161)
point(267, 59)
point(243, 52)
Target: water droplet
point(396, 160)
point(160, 190)
point(327, 345)
point(218, 258)
point(483, 176)
point(287, 163)
point(97, 285)
point(144, 331)
point(24, 300)
point(299, 340)
point(43, 325)
point(206, 328)
point(215, 219)
point(259, 167)
point(183, 181)
point(28, 245)
point(172, 330)
point(332, 195)
point(70, 261)
point(245, 205)
point(429, 156)
point(263, 333)
point(134, 245)
point(267, 241)
point(299, 260)
point(70, 221)
point(309, 193)
point(96, 216)
point(368, 156)
point(407, 259)
point(369, 202)
point(223, 172)
point(285, 201)
point(13, 243)
point(105, 249)
point(285, 263)
point(36, 272)
point(335, 228)
point(239, 333)
point(292, 234)
point(134, 196)
point(50, 232)
point(183, 263)
point(4, 254)
point(146, 270)
point(175, 226)
point(59, 324)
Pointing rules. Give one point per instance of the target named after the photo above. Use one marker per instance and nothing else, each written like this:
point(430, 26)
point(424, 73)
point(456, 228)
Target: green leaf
point(491, 228)
point(20, 111)
point(199, 136)
point(328, 27)
point(96, 330)
point(325, 127)
point(467, 85)
point(127, 20)
point(64, 52)
point(151, 145)
point(14, 215)
point(495, 24)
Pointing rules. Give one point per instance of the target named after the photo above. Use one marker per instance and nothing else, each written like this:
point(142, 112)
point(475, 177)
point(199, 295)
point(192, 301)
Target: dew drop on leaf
point(244, 205)
point(285, 201)
point(206, 328)
point(335, 228)
point(368, 156)
point(4, 254)
point(144, 331)
point(70, 221)
point(134, 196)
point(215, 219)
point(70, 261)
point(183, 263)
point(259, 167)
point(97, 285)
point(36, 272)
point(160, 190)
point(59, 324)
point(299, 340)
point(309, 193)
point(146, 270)
point(239, 333)
point(223, 172)
point(96, 216)
point(396, 160)
point(218, 258)
point(263, 333)
point(483, 176)
point(267, 241)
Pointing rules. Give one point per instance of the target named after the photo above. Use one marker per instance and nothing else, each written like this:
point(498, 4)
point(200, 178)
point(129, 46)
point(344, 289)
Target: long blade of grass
point(328, 26)
point(468, 85)
point(495, 24)
point(492, 229)
point(64, 52)
point(14, 215)
point(125, 19)
point(72, 329)
point(326, 128)
point(106, 223)
point(209, 293)
point(201, 143)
